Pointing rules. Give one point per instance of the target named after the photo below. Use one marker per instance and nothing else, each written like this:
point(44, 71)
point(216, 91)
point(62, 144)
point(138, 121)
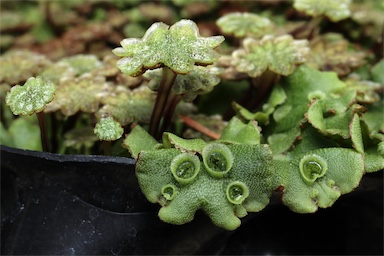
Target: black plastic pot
point(74, 205)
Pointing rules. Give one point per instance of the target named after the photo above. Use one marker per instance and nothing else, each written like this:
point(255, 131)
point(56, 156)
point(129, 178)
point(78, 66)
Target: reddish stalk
point(199, 127)
point(161, 100)
point(168, 114)
point(43, 131)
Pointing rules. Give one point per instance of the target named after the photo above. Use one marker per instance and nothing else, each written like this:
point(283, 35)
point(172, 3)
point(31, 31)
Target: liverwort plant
point(76, 94)
point(244, 24)
point(278, 54)
point(317, 178)
point(308, 106)
point(334, 10)
point(175, 49)
point(225, 178)
point(107, 130)
point(32, 98)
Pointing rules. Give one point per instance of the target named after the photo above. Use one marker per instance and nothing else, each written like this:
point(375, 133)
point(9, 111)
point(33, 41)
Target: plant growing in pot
point(301, 133)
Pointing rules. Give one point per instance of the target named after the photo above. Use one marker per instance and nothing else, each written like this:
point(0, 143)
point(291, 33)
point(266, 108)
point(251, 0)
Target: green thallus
point(214, 177)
